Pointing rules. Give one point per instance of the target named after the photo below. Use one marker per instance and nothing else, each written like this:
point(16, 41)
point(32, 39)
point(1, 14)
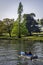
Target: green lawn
point(33, 38)
point(23, 37)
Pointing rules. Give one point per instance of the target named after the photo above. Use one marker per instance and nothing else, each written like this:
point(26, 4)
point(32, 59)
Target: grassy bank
point(23, 38)
point(33, 38)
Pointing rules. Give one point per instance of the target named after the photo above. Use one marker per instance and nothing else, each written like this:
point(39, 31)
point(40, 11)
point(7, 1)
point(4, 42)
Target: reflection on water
point(9, 50)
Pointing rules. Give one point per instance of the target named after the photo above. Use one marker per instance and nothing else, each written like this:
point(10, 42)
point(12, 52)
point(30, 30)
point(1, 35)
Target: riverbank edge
point(40, 38)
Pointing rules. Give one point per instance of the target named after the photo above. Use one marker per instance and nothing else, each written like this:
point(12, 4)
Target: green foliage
point(31, 23)
point(32, 14)
point(41, 21)
point(1, 27)
point(8, 25)
point(15, 28)
point(24, 30)
point(20, 10)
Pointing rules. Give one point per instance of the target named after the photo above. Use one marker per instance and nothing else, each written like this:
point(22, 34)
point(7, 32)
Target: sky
point(8, 8)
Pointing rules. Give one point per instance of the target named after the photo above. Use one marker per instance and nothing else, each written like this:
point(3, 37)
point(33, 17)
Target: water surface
point(9, 51)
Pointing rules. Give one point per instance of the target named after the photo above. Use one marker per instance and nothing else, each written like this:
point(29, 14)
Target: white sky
point(8, 8)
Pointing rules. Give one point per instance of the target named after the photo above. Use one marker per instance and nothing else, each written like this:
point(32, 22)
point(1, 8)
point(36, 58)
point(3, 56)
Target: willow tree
point(20, 10)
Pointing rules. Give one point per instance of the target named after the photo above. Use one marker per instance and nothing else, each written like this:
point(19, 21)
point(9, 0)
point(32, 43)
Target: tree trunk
point(10, 35)
point(19, 35)
point(30, 33)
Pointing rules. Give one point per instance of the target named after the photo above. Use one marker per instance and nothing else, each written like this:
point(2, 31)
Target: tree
point(15, 28)
point(24, 30)
point(1, 27)
point(8, 25)
point(20, 10)
point(31, 23)
point(41, 21)
point(32, 15)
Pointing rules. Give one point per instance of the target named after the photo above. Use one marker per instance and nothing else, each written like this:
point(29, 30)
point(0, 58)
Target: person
point(34, 57)
point(28, 53)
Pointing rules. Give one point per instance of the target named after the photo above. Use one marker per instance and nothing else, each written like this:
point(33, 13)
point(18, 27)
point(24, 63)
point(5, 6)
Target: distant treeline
point(25, 24)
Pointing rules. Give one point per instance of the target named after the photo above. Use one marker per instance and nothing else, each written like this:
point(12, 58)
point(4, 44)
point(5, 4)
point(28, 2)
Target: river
point(9, 51)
